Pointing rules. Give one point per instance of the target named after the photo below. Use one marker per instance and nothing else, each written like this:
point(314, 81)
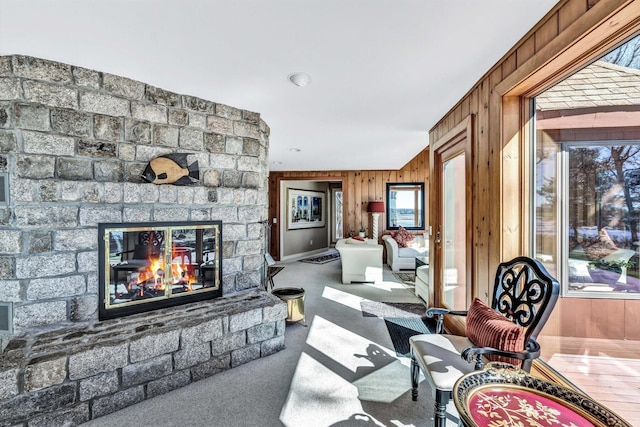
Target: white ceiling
point(383, 71)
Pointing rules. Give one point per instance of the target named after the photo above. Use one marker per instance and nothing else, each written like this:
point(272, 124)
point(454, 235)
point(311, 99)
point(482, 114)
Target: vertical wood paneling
point(526, 50)
point(547, 32)
point(570, 12)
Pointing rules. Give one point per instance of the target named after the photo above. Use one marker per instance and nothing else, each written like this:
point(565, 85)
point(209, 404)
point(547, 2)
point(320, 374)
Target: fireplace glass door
point(156, 265)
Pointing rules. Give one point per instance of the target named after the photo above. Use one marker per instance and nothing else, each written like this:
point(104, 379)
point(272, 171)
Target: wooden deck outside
point(607, 370)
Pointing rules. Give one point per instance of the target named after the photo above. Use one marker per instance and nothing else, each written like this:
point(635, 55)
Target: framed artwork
point(305, 209)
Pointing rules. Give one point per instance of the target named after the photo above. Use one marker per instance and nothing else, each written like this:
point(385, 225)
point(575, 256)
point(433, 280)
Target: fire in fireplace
point(146, 266)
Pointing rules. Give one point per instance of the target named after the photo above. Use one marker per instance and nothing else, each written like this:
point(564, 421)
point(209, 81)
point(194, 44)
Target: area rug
point(322, 259)
point(405, 277)
point(403, 320)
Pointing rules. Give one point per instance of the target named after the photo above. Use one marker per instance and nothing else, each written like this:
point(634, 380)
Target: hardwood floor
point(607, 370)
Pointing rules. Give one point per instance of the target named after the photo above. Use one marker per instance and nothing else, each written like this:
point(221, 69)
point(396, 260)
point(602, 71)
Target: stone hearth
point(73, 145)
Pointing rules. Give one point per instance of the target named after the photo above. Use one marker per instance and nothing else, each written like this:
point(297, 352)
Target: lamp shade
point(376, 207)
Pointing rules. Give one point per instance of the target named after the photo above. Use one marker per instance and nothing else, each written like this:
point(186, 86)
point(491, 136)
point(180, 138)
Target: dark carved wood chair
point(524, 294)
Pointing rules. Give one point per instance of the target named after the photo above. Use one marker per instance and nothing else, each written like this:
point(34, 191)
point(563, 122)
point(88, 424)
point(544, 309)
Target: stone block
point(115, 402)
point(201, 333)
point(228, 342)
point(107, 127)
point(220, 125)
point(213, 195)
point(41, 266)
point(56, 287)
point(7, 141)
point(197, 120)
point(275, 312)
point(87, 261)
point(91, 148)
point(39, 314)
point(46, 373)
point(133, 173)
point(5, 65)
point(228, 112)
point(233, 145)
point(200, 215)
point(98, 385)
point(145, 153)
point(108, 170)
point(261, 332)
point(91, 192)
point(112, 192)
point(102, 103)
point(7, 270)
point(211, 178)
point(231, 265)
point(249, 247)
point(168, 383)
point(231, 179)
point(250, 164)
point(250, 116)
point(123, 86)
point(33, 117)
point(211, 367)
point(168, 194)
point(51, 216)
point(35, 166)
point(251, 180)
point(244, 355)
point(248, 280)
point(8, 383)
point(170, 214)
point(86, 77)
point(250, 147)
point(136, 214)
point(249, 213)
point(167, 136)
point(149, 194)
point(84, 307)
point(245, 129)
point(147, 370)
point(3, 164)
point(48, 191)
point(41, 69)
point(235, 231)
point(254, 231)
point(251, 262)
point(197, 104)
point(92, 285)
point(137, 131)
point(6, 214)
point(71, 122)
point(185, 196)
point(10, 241)
point(201, 196)
point(92, 215)
point(191, 139)
point(178, 117)
point(214, 142)
point(9, 89)
point(51, 95)
point(127, 152)
point(10, 291)
point(131, 193)
point(6, 115)
point(67, 417)
point(228, 251)
point(245, 320)
point(192, 355)
point(77, 239)
point(101, 358)
point(42, 143)
point(74, 169)
point(151, 346)
point(161, 96)
point(149, 112)
point(29, 405)
point(272, 346)
point(223, 161)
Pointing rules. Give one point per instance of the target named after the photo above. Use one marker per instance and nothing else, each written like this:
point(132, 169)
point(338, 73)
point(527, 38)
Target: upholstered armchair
point(524, 295)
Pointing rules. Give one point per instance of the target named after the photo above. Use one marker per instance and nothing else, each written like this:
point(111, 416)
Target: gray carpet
point(339, 370)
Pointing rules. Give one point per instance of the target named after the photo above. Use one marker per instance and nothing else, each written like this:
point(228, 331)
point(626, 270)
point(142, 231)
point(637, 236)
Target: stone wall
point(74, 142)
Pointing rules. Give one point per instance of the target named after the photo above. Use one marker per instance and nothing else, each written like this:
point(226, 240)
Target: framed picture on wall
point(305, 209)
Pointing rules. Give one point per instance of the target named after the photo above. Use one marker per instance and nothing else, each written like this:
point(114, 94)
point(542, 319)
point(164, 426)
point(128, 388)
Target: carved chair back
point(525, 293)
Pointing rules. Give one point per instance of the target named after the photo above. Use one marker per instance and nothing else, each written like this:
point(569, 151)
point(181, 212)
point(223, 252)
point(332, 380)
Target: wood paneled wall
point(358, 187)
point(574, 33)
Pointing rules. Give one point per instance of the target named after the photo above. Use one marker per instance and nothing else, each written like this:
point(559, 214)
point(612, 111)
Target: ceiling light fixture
point(300, 79)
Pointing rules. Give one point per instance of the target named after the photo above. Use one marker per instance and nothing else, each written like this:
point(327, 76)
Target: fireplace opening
point(147, 266)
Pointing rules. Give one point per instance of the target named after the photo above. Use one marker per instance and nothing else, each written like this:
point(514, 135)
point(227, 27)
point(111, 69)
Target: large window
point(587, 177)
point(405, 206)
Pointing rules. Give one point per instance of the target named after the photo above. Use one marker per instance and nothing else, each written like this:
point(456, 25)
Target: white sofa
point(361, 261)
point(422, 283)
point(405, 258)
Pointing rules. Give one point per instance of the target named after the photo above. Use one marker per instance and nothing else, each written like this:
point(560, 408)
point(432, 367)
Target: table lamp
point(375, 208)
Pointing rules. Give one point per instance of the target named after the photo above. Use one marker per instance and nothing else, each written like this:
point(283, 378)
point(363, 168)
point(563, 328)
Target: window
point(405, 206)
point(587, 177)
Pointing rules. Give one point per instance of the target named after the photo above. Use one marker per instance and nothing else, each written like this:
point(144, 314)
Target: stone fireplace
point(74, 144)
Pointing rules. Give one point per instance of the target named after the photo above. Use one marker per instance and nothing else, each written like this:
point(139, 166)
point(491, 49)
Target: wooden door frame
point(464, 131)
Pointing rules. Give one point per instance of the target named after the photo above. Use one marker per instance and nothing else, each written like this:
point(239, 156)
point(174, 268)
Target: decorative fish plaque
point(171, 169)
